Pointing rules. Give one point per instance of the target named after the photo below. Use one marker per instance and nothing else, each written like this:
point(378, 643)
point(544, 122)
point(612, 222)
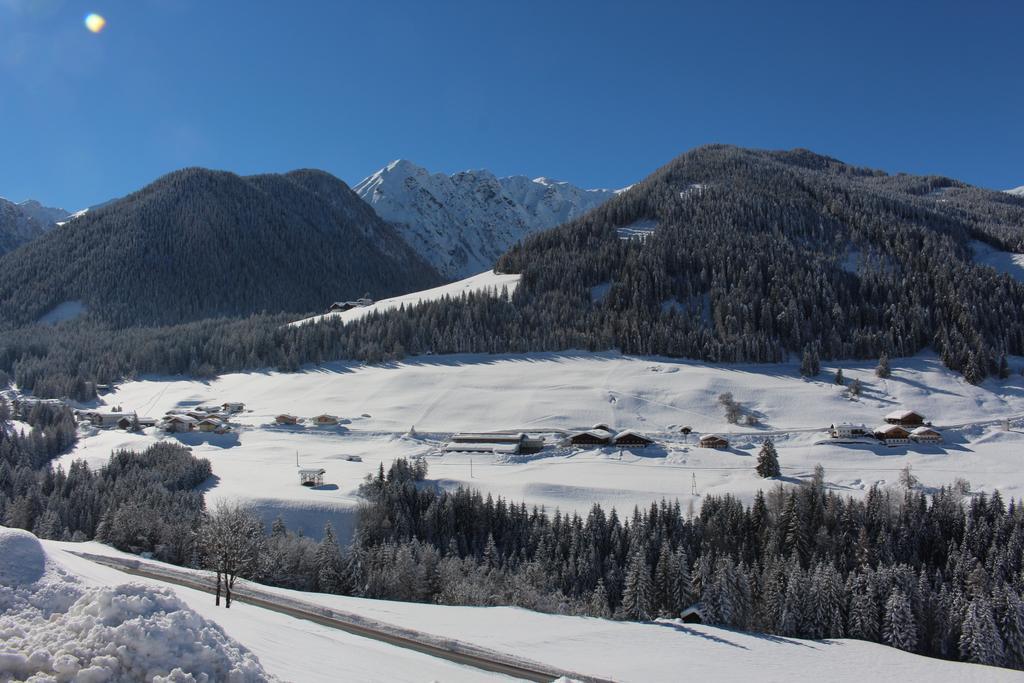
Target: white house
point(845, 430)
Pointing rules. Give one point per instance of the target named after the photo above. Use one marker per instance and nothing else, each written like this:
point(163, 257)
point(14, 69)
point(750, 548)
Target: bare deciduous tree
point(232, 544)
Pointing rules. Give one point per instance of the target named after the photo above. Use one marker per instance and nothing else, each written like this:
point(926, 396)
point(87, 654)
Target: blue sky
point(597, 93)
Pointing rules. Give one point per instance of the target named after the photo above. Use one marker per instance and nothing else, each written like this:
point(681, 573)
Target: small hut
point(325, 421)
point(286, 419)
point(313, 476)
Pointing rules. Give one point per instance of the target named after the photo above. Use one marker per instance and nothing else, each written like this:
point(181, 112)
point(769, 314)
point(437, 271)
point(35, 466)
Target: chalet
point(924, 434)
point(905, 418)
point(232, 407)
point(312, 476)
point(846, 431)
point(210, 424)
point(286, 419)
point(630, 439)
point(340, 306)
point(108, 420)
point(591, 438)
point(147, 422)
point(325, 421)
point(353, 458)
point(128, 423)
point(493, 442)
point(892, 435)
point(179, 423)
point(713, 441)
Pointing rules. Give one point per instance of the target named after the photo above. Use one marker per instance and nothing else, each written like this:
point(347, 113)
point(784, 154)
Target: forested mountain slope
point(729, 254)
point(197, 244)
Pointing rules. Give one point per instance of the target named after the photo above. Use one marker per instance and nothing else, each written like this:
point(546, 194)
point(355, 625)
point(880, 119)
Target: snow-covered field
point(484, 282)
point(101, 617)
point(549, 392)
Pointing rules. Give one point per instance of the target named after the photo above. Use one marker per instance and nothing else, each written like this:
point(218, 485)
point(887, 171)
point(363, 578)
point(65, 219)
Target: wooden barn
point(628, 438)
point(591, 438)
point(210, 424)
point(325, 421)
point(713, 441)
point(905, 418)
point(285, 419)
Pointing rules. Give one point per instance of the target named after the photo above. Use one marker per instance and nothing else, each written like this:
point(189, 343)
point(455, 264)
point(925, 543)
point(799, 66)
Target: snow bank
point(53, 628)
point(23, 558)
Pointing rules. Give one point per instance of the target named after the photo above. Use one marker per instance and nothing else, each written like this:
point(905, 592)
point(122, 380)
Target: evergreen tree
point(882, 369)
point(839, 379)
point(328, 563)
point(637, 595)
point(768, 461)
point(980, 641)
point(900, 630)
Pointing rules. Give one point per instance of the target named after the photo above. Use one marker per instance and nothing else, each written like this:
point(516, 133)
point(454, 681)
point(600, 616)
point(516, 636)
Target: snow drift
point(53, 628)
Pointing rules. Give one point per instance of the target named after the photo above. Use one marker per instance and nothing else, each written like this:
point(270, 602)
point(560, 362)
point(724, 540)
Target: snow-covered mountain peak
point(1019, 191)
point(464, 221)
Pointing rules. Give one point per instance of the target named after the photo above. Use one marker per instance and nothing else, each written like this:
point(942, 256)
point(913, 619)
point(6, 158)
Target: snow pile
point(54, 629)
point(462, 223)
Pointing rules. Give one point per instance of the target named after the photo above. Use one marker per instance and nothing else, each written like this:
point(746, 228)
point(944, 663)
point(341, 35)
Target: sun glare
point(95, 22)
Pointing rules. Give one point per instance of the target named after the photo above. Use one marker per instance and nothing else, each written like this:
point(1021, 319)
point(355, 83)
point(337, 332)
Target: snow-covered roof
point(597, 433)
point(631, 432)
point(902, 414)
point(313, 470)
point(482, 447)
point(923, 430)
point(211, 420)
point(491, 437)
point(713, 436)
point(886, 429)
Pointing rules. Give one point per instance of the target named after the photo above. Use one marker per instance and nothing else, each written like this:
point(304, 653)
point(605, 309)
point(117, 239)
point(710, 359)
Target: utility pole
point(471, 468)
point(296, 458)
point(693, 484)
